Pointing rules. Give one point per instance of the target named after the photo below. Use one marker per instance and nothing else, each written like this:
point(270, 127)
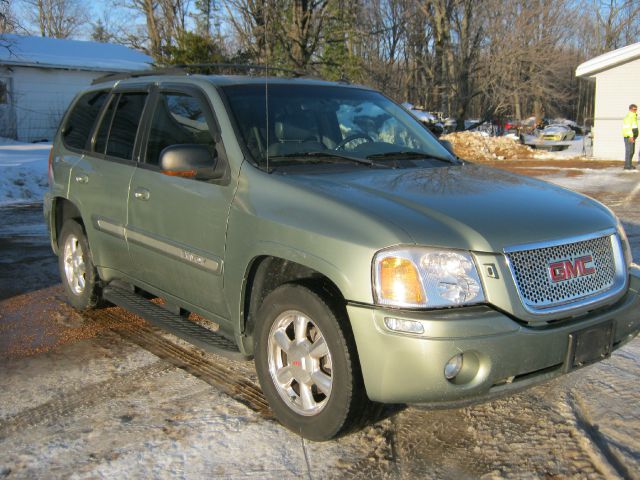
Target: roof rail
point(187, 68)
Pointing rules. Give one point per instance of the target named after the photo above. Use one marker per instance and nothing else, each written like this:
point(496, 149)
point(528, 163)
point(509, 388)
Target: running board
point(193, 333)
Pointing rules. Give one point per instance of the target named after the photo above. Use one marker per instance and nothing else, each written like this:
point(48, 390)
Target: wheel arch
point(265, 273)
point(63, 210)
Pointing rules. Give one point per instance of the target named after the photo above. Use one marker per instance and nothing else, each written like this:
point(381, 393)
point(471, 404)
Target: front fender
point(236, 278)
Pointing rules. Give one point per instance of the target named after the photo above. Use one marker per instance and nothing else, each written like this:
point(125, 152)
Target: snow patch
point(23, 171)
point(613, 179)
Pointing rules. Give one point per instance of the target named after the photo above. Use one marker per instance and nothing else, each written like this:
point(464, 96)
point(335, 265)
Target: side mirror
point(447, 144)
point(190, 161)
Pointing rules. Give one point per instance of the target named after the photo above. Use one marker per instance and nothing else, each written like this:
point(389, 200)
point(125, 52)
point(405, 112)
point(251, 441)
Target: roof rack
point(187, 68)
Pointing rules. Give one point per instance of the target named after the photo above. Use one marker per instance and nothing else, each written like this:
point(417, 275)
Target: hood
point(468, 206)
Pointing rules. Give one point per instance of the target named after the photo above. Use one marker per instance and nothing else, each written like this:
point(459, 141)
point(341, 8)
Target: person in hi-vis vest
point(630, 134)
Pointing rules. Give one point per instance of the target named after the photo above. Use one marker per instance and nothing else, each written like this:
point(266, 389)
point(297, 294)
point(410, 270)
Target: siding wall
point(616, 88)
point(40, 97)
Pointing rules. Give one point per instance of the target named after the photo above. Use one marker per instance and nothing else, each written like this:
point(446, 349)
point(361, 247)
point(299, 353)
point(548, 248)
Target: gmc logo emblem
point(567, 269)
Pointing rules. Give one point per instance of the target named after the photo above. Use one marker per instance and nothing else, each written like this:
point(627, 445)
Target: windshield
point(318, 124)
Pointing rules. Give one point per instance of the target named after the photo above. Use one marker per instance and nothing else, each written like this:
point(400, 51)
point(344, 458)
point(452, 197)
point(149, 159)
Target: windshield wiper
point(331, 157)
point(408, 155)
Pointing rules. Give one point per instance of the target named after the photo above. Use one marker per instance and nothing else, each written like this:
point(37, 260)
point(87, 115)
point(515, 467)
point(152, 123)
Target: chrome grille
point(531, 272)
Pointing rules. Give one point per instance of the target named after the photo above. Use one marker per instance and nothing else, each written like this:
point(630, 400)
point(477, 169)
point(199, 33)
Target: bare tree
point(439, 13)
point(172, 21)
point(528, 57)
point(464, 56)
point(256, 24)
point(614, 23)
point(8, 20)
point(204, 16)
point(106, 28)
point(383, 33)
point(56, 18)
point(305, 19)
point(8, 24)
point(165, 21)
point(151, 40)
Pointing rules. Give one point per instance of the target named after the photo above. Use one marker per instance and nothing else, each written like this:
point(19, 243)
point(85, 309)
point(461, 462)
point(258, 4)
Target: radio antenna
point(265, 6)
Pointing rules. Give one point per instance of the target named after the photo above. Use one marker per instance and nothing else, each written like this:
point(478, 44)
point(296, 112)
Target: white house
point(617, 77)
point(40, 76)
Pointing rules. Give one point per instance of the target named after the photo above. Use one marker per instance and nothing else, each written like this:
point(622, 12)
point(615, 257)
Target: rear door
point(176, 226)
point(100, 180)
point(75, 136)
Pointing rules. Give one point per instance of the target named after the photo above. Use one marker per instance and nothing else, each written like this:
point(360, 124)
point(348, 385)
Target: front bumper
point(501, 355)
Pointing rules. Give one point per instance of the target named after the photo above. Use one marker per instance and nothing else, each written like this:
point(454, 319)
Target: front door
point(176, 226)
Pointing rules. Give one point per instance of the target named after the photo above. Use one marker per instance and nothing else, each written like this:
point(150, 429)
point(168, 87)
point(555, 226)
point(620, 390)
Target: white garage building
point(617, 77)
point(40, 76)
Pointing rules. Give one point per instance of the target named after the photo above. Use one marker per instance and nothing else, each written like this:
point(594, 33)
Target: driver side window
point(178, 119)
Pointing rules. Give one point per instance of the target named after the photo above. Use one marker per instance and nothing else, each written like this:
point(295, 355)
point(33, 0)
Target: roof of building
point(609, 60)
point(70, 54)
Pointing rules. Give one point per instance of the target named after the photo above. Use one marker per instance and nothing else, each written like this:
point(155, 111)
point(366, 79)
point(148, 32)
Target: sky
point(107, 11)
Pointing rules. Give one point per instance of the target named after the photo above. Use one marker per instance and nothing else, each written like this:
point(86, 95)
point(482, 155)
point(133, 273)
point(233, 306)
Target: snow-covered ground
point(23, 171)
point(612, 179)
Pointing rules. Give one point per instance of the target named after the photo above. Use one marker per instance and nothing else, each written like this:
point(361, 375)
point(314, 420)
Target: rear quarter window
point(82, 117)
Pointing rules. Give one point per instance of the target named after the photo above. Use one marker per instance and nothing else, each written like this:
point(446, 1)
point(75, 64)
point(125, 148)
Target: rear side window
point(122, 135)
point(82, 118)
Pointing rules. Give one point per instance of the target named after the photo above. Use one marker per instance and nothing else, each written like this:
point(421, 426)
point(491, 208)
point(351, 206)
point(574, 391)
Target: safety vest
point(629, 123)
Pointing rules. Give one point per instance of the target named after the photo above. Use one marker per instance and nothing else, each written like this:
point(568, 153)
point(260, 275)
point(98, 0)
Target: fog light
point(405, 326)
point(453, 367)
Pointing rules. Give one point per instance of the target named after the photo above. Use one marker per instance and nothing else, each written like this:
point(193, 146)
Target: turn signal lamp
point(400, 282)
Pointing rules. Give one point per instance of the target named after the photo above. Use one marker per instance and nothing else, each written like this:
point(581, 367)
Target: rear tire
point(77, 271)
point(307, 363)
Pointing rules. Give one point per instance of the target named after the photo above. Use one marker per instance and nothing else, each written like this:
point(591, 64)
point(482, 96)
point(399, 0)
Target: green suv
point(325, 232)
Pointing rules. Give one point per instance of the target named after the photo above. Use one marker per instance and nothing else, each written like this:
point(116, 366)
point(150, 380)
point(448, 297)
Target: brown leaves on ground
point(475, 146)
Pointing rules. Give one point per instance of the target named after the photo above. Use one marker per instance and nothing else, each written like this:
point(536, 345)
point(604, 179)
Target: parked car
point(512, 126)
point(451, 124)
point(579, 130)
point(427, 119)
point(557, 133)
point(334, 241)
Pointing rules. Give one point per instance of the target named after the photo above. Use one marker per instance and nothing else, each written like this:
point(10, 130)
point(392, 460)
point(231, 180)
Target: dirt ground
point(105, 395)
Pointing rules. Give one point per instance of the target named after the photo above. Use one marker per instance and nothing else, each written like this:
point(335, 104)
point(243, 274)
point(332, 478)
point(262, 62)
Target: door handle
point(141, 194)
point(82, 179)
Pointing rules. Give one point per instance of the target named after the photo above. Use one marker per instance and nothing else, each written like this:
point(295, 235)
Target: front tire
point(77, 271)
point(307, 364)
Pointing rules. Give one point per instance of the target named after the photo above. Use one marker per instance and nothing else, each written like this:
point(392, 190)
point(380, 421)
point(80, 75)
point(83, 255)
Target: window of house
point(4, 93)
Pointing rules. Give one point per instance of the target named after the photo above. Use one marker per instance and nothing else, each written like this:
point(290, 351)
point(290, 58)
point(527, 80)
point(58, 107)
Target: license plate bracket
point(590, 345)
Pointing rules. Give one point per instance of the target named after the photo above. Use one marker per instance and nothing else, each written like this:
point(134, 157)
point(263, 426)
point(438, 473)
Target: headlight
point(626, 248)
point(416, 277)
